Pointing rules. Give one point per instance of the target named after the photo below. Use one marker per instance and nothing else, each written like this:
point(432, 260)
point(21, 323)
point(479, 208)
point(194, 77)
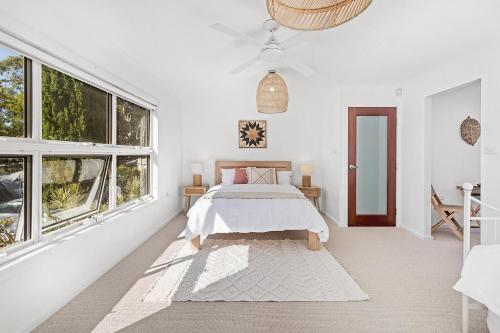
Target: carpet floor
point(409, 282)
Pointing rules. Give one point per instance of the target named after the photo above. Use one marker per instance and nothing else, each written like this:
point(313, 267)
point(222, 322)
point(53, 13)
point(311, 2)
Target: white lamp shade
point(306, 169)
point(197, 168)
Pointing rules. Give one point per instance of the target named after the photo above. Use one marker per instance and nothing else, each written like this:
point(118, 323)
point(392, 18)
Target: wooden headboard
point(278, 165)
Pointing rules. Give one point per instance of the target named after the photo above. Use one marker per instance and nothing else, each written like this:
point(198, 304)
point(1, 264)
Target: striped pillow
point(261, 175)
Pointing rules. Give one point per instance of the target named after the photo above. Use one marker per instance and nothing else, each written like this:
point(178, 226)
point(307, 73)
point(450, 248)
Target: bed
point(480, 277)
point(248, 208)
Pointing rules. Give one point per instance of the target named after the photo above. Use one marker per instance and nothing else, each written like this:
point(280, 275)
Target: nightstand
point(192, 191)
point(313, 193)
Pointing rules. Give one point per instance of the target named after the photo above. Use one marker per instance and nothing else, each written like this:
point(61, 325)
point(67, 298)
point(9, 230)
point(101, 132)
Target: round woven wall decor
point(315, 14)
point(272, 94)
point(470, 130)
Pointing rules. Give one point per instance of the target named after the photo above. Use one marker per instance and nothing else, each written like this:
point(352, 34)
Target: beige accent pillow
point(261, 175)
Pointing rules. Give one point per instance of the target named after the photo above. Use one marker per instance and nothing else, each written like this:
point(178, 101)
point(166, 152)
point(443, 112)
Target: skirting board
point(416, 234)
point(333, 220)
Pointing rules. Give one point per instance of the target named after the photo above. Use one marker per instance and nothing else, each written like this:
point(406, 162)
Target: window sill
point(18, 253)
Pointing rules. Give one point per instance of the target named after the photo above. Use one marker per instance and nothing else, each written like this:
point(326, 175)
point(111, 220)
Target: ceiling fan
point(272, 52)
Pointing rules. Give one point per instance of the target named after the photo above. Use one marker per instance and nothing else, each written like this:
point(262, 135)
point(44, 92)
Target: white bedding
point(480, 278)
point(211, 216)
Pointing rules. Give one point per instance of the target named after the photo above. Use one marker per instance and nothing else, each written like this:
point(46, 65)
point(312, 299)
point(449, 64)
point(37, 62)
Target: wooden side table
point(313, 193)
point(192, 191)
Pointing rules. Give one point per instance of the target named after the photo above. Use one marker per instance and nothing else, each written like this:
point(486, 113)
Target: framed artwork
point(252, 133)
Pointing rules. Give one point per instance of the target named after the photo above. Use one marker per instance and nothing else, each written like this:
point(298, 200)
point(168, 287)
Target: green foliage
point(130, 182)
point(57, 197)
point(10, 165)
point(132, 124)
point(104, 207)
point(59, 170)
point(6, 236)
point(133, 188)
point(71, 109)
point(63, 106)
point(66, 197)
point(12, 96)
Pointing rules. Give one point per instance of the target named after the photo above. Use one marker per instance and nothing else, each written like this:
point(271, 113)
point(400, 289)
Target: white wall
point(210, 127)
point(454, 161)
point(484, 65)
point(37, 285)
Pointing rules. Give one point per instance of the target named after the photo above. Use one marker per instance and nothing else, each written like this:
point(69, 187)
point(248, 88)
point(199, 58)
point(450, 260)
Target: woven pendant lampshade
point(315, 14)
point(272, 94)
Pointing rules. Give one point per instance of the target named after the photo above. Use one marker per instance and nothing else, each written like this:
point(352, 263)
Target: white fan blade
point(302, 69)
point(294, 40)
point(245, 65)
point(238, 35)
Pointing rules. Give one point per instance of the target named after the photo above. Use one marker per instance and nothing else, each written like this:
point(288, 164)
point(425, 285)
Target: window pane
point(12, 87)
point(73, 188)
point(133, 124)
point(73, 110)
point(12, 190)
point(132, 178)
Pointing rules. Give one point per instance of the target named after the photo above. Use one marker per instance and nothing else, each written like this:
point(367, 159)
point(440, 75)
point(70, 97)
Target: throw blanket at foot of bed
point(254, 208)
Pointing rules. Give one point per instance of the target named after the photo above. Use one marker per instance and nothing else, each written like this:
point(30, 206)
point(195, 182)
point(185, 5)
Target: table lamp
point(306, 171)
point(197, 171)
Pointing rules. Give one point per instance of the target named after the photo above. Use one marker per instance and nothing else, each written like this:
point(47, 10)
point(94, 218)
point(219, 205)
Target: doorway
point(372, 166)
point(453, 160)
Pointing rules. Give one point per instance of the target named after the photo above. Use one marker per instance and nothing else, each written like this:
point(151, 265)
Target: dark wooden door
point(372, 166)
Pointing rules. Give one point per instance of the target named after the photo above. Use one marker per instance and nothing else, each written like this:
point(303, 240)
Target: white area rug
point(254, 270)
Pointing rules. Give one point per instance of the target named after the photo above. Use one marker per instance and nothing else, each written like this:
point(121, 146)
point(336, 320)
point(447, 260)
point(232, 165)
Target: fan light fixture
point(272, 94)
point(315, 14)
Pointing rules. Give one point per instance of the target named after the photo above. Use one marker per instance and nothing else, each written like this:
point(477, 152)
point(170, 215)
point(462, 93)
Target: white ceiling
point(171, 43)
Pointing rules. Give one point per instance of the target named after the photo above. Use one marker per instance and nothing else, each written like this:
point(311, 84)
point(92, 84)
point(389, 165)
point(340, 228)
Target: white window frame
point(37, 148)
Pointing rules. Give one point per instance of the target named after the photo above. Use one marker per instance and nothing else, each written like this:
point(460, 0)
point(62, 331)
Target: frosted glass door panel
point(371, 160)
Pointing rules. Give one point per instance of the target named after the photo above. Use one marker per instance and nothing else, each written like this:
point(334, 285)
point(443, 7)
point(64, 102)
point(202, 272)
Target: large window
point(132, 178)
point(14, 201)
point(72, 152)
point(133, 124)
point(73, 110)
point(72, 189)
point(14, 93)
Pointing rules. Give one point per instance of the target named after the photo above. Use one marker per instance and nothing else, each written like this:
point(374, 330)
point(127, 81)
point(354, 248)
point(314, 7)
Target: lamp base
point(306, 181)
point(196, 180)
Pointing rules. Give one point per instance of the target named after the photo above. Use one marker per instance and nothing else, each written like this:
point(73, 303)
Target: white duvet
point(212, 216)
point(480, 278)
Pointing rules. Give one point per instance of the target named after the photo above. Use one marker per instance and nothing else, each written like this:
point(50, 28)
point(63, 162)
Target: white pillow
point(227, 176)
point(284, 177)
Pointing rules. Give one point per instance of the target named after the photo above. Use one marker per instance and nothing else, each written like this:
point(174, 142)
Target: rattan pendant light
point(272, 94)
point(315, 14)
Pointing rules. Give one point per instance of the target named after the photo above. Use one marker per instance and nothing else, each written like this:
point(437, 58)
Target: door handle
point(352, 166)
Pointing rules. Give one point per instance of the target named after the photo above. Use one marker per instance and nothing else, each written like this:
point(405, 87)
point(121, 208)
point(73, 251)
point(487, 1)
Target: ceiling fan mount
point(271, 25)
